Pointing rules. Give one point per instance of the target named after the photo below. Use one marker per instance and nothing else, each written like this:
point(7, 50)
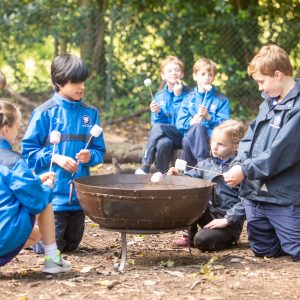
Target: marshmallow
point(147, 82)
point(55, 137)
point(207, 87)
point(156, 177)
point(96, 130)
point(180, 164)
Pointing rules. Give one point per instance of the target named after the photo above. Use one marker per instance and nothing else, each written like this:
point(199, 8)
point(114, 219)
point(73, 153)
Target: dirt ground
point(155, 268)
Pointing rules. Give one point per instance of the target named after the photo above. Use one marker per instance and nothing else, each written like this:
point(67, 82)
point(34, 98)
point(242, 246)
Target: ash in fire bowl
point(133, 202)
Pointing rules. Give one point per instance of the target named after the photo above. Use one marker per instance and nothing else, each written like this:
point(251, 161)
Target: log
point(124, 152)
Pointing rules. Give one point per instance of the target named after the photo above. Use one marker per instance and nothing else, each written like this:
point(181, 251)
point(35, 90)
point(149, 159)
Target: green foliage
point(123, 42)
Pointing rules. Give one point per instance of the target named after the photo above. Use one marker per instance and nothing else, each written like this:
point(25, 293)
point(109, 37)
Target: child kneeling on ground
point(222, 222)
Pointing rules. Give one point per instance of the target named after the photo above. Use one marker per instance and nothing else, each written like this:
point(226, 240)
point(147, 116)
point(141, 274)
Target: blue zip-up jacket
point(8, 157)
point(225, 200)
point(21, 195)
point(169, 106)
point(216, 103)
point(270, 152)
point(74, 121)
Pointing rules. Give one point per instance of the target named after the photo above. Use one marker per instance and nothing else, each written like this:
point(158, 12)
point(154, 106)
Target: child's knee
point(34, 237)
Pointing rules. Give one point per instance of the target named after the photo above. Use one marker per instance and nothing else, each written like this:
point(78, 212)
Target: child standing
point(164, 136)
point(68, 114)
point(22, 198)
point(222, 222)
point(10, 118)
point(270, 154)
point(201, 111)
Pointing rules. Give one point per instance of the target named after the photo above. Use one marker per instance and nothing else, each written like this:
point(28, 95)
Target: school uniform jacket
point(270, 152)
point(8, 157)
point(216, 103)
point(21, 194)
point(73, 120)
point(225, 200)
point(169, 106)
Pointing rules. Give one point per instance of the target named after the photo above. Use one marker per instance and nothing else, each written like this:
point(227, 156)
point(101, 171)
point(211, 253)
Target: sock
point(51, 251)
point(145, 168)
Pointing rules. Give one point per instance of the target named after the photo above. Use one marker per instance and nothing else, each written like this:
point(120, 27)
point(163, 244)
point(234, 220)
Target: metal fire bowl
point(132, 202)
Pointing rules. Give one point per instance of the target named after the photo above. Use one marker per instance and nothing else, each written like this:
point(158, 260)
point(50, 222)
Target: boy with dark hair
point(270, 155)
point(67, 113)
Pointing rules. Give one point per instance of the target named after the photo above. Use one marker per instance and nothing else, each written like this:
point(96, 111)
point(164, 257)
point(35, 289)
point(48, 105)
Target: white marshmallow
point(207, 87)
point(96, 130)
point(55, 137)
point(147, 82)
point(156, 177)
point(180, 164)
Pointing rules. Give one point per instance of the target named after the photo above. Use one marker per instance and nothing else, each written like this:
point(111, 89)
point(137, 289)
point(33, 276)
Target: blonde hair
point(9, 113)
point(167, 60)
point(206, 63)
point(233, 129)
point(270, 58)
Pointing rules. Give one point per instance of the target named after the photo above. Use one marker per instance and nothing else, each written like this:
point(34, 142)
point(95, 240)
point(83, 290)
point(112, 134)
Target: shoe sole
point(56, 270)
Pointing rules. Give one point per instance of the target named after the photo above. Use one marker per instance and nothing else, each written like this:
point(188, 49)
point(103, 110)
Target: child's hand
point(217, 223)
point(177, 89)
point(154, 107)
point(65, 162)
point(234, 176)
point(83, 156)
point(203, 112)
point(196, 119)
point(173, 172)
point(48, 178)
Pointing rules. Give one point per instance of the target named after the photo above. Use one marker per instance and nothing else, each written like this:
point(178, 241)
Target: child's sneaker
point(58, 265)
point(183, 241)
point(140, 172)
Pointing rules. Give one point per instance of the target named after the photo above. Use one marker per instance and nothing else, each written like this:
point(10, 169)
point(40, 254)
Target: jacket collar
point(211, 92)
point(66, 103)
point(5, 144)
point(220, 161)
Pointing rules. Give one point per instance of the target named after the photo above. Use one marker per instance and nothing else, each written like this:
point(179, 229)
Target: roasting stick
point(181, 165)
point(147, 82)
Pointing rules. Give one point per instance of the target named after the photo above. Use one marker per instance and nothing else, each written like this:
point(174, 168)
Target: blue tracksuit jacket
point(74, 121)
point(21, 194)
point(216, 103)
point(169, 106)
point(8, 157)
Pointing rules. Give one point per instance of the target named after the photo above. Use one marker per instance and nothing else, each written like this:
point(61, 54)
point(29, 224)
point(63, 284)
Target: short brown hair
point(270, 58)
point(205, 62)
point(171, 59)
point(9, 113)
point(233, 129)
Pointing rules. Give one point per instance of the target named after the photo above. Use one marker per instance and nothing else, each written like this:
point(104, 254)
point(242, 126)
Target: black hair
point(68, 67)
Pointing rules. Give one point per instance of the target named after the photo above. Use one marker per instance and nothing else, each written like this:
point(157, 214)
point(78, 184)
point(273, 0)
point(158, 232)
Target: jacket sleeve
point(284, 153)
point(221, 114)
point(36, 156)
point(184, 117)
point(97, 148)
point(245, 144)
point(198, 172)
point(28, 189)
point(236, 214)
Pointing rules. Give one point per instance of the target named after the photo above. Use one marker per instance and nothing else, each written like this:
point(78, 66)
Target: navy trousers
point(195, 145)
point(69, 228)
point(273, 229)
point(163, 139)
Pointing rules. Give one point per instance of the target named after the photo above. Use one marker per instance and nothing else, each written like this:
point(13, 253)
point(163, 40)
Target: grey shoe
point(54, 267)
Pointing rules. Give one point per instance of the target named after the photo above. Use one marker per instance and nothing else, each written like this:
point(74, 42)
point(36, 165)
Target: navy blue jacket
point(225, 201)
point(270, 152)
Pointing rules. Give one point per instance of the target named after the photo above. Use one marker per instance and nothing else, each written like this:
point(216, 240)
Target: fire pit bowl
point(131, 202)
